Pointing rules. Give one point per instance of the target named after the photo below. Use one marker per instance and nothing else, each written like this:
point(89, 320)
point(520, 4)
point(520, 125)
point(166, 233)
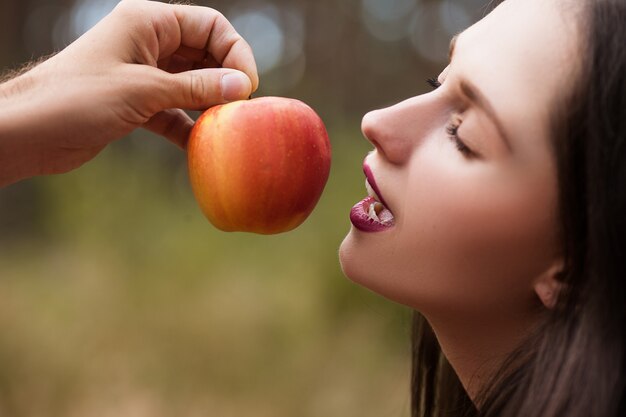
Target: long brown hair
point(574, 364)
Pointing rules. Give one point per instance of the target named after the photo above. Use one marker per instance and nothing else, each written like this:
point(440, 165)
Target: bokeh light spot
point(388, 10)
point(432, 27)
point(261, 28)
point(387, 20)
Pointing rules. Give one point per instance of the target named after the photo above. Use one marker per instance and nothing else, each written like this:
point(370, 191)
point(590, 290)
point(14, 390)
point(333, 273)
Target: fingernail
point(235, 86)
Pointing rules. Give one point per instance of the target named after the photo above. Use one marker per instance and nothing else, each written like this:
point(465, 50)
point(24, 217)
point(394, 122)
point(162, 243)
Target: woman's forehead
point(522, 55)
point(537, 32)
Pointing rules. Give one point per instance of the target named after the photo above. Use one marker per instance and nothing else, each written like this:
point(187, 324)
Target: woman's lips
point(370, 214)
point(372, 182)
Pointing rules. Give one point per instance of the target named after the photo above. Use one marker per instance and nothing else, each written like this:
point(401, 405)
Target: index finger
point(206, 29)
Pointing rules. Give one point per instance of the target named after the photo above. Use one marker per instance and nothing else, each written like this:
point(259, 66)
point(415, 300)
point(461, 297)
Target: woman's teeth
point(370, 190)
point(375, 209)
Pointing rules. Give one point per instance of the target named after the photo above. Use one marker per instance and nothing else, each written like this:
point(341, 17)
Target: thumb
point(202, 88)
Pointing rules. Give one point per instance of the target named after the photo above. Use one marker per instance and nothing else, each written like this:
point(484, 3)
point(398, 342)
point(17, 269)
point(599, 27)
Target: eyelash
point(452, 129)
point(434, 83)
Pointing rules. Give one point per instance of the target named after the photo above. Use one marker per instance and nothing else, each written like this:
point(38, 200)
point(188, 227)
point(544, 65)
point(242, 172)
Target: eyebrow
point(474, 95)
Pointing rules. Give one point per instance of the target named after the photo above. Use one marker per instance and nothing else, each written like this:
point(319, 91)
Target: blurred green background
point(117, 297)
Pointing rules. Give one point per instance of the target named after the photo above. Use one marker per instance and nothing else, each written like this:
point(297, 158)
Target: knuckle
point(124, 7)
point(197, 90)
point(217, 15)
point(220, 22)
point(131, 8)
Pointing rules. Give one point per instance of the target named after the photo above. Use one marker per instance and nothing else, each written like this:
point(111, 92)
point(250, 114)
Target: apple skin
point(258, 165)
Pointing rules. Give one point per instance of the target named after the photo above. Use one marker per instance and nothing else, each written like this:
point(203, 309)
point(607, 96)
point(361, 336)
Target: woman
point(497, 210)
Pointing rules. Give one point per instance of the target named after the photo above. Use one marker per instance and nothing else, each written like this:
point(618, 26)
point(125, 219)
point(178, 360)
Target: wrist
point(18, 156)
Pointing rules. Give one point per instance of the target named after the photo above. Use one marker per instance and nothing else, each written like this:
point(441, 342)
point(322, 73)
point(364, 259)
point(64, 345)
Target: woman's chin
point(345, 250)
point(352, 260)
point(360, 263)
point(370, 264)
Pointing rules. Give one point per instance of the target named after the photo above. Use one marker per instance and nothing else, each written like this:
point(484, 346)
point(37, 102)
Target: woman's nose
point(397, 130)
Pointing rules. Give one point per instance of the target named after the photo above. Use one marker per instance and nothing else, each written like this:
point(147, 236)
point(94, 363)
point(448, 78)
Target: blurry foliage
point(117, 297)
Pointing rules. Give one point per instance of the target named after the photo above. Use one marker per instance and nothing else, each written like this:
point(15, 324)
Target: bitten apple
point(258, 165)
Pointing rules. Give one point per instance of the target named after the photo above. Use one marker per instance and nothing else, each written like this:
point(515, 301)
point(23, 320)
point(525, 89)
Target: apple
point(258, 165)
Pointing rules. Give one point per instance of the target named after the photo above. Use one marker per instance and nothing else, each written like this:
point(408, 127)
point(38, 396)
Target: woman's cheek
point(479, 236)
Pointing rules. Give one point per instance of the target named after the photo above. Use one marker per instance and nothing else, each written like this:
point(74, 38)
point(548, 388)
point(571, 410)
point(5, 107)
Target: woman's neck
point(476, 347)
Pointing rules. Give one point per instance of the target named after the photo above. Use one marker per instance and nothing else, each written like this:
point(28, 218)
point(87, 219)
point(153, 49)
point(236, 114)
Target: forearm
point(43, 120)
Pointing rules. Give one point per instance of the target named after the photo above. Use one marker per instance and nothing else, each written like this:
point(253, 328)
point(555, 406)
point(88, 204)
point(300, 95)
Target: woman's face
point(467, 173)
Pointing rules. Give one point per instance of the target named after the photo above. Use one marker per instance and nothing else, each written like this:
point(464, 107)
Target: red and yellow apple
point(258, 165)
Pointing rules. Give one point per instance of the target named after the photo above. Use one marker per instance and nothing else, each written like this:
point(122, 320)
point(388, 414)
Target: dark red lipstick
point(371, 214)
point(370, 178)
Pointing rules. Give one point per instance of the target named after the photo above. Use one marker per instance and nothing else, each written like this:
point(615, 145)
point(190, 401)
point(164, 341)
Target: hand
point(139, 66)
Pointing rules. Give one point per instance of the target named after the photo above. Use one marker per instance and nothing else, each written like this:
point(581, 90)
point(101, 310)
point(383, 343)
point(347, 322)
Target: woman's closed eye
point(452, 128)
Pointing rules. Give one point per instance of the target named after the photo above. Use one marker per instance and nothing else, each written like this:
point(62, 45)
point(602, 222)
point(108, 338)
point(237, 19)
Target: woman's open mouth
point(371, 214)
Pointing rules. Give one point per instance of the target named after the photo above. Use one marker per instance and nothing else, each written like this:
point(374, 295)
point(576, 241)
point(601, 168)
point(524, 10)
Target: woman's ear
point(548, 285)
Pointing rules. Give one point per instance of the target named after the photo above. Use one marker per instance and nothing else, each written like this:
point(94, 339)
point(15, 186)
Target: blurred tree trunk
point(12, 15)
